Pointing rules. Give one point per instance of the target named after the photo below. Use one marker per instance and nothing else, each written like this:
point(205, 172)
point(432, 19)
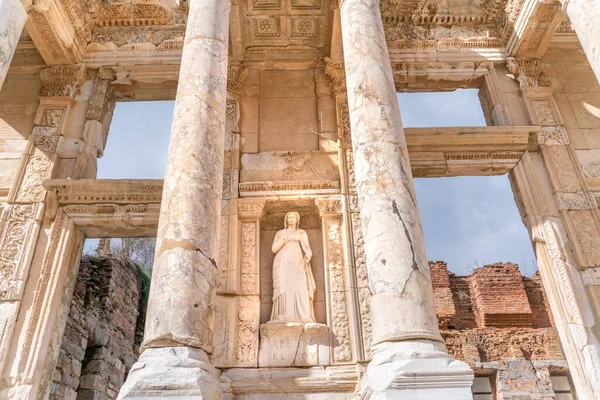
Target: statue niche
point(292, 337)
point(293, 281)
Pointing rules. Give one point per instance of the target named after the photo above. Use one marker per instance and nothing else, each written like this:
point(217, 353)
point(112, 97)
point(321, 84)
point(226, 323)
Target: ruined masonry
point(288, 157)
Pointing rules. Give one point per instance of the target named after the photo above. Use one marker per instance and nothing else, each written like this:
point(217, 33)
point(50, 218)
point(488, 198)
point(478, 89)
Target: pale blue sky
point(467, 221)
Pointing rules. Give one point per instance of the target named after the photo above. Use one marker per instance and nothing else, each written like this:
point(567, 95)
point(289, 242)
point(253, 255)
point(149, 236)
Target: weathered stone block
point(293, 345)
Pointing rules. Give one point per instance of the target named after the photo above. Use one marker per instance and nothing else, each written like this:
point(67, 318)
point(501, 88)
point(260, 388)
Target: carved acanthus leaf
point(236, 76)
point(62, 80)
point(576, 201)
point(528, 73)
point(328, 206)
point(553, 135)
point(335, 70)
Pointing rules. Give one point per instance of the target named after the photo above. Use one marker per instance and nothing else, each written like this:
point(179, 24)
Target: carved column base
point(172, 373)
point(415, 370)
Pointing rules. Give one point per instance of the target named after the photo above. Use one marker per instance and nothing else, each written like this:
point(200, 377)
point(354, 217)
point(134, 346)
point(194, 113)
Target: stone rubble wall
point(101, 338)
point(500, 323)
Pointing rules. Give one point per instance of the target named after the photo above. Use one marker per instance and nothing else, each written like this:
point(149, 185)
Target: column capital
point(529, 73)
point(39, 6)
point(236, 77)
point(252, 209)
point(62, 80)
point(328, 207)
point(337, 74)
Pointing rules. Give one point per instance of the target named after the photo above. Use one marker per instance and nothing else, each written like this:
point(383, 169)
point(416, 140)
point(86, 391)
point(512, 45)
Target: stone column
point(180, 318)
point(584, 15)
point(409, 356)
point(12, 21)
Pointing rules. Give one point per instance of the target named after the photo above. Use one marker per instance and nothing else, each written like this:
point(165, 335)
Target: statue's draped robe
point(293, 281)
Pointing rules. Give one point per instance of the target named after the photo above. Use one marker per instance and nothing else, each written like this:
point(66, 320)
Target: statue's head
point(291, 219)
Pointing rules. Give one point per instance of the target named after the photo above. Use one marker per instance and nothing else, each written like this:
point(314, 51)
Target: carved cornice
point(60, 29)
point(62, 80)
point(528, 73)
point(250, 189)
point(565, 27)
point(131, 13)
point(103, 191)
point(337, 74)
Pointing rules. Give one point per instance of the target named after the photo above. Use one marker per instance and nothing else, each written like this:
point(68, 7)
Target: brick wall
point(499, 322)
point(99, 345)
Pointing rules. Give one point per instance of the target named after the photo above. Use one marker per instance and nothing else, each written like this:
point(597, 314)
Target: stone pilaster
point(236, 76)
point(180, 319)
point(563, 220)
point(12, 21)
point(407, 345)
point(95, 132)
point(35, 279)
point(584, 15)
point(339, 297)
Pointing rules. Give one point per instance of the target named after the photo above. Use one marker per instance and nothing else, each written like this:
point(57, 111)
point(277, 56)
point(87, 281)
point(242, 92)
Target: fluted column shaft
point(585, 17)
point(12, 21)
point(402, 306)
point(182, 293)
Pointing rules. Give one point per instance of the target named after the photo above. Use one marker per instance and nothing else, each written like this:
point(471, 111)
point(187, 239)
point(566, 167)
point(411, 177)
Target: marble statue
point(293, 281)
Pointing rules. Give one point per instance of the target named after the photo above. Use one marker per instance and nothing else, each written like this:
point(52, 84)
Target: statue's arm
point(305, 245)
point(278, 242)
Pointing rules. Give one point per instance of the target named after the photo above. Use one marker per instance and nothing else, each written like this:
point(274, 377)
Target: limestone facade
point(496, 320)
point(276, 113)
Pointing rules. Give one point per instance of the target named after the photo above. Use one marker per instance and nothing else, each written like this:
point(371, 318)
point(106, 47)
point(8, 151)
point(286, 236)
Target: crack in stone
point(412, 250)
point(170, 244)
point(212, 260)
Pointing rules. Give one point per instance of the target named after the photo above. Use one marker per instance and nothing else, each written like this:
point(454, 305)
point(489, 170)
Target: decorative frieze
point(105, 191)
point(125, 13)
